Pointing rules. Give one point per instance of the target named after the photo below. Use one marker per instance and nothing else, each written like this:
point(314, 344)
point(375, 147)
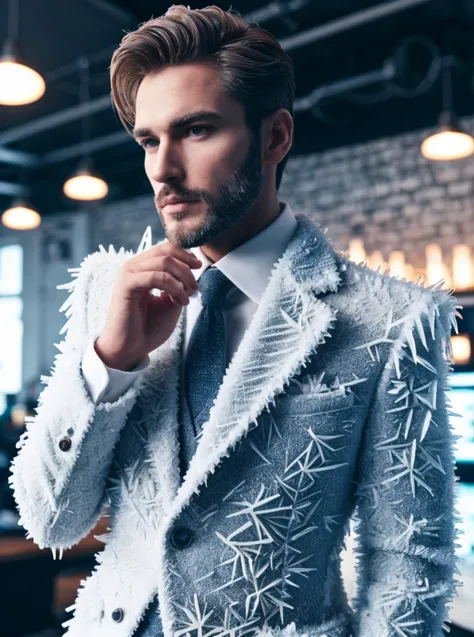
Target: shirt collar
point(249, 265)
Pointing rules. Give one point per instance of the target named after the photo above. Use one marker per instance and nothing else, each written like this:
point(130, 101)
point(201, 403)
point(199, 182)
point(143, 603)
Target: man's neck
point(251, 224)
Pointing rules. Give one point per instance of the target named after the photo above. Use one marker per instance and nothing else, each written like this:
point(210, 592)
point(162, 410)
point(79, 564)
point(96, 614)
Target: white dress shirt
point(248, 266)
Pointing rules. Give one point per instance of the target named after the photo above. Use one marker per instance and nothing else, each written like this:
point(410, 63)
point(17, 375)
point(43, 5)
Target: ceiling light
point(450, 141)
point(21, 216)
point(19, 84)
point(85, 184)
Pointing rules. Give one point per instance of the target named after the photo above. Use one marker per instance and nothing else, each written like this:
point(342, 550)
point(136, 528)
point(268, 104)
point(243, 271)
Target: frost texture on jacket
point(334, 406)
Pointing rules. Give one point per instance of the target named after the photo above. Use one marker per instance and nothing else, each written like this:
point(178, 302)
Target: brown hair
point(254, 69)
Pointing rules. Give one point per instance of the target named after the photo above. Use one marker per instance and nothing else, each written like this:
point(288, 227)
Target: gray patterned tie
point(206, 354)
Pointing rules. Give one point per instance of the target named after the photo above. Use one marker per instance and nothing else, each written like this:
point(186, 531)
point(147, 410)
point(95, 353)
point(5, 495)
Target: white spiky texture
point(339, 382)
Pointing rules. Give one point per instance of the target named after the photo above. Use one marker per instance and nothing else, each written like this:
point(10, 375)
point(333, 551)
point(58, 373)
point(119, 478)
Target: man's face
point(215, 162)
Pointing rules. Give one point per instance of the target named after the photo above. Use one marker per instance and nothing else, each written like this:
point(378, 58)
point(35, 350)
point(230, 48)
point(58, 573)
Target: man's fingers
point(167, 248)
point(170, 264)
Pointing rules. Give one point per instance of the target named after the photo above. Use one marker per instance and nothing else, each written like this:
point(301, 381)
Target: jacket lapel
point(286, 329)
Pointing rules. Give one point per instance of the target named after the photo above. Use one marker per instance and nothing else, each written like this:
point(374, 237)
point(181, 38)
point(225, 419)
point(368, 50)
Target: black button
point(117, 615)
point(70, 431)
point(181, 537)
point(65, 443)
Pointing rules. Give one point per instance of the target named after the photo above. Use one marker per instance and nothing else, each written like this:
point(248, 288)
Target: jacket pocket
point(314, 403)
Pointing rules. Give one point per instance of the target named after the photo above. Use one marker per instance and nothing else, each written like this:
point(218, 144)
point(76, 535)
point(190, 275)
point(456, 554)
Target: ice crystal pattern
point(270, 560)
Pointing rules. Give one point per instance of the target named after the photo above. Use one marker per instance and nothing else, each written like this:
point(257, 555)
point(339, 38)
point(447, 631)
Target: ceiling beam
point(18, 158)
point(76, 150)
point(113, 10)
point(70, 68)
point(340, 25)
point(351, 21)
point(55, 119)
point(12, 190)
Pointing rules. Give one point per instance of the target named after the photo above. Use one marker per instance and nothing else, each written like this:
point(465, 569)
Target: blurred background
point(383, 156)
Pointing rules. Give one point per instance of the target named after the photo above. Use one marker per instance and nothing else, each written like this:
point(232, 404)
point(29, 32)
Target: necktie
point(206, 354)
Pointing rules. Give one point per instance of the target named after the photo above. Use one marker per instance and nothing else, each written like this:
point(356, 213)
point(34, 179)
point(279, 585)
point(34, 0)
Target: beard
point(234, 199)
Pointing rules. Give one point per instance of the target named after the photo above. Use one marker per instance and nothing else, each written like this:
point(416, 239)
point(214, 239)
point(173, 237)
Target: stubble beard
point(235, 198)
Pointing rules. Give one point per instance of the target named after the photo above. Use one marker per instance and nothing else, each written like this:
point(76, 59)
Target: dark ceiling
point(372, 69)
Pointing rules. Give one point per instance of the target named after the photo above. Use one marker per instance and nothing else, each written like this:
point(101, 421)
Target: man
point(234, 439)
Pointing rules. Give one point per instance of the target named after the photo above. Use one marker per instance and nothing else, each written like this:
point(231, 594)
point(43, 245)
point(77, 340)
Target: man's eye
point(206, 128)
point(145, 142)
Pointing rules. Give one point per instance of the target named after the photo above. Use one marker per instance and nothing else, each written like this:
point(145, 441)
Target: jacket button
point(65, 443)
point(181, 537)
point(117, 615)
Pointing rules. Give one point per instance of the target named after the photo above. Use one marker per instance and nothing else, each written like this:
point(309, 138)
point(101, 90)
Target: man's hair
point(254, 68)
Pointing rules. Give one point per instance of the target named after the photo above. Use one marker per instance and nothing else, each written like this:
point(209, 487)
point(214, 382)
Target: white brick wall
point(399, 199)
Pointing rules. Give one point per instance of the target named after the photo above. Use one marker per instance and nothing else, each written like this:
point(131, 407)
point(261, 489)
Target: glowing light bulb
point(21, 217)
point(19, 84)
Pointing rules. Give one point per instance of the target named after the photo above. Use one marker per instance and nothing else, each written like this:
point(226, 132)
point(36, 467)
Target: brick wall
point(394, 196)
point(399, 199)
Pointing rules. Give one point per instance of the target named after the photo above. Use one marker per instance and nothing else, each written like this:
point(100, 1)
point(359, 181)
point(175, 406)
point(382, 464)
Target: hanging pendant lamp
point(85, 184)
point(21, 216)
point(450, 141)
point(19, 83)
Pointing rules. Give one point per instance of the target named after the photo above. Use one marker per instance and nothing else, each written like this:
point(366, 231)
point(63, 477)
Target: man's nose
point(165, 165)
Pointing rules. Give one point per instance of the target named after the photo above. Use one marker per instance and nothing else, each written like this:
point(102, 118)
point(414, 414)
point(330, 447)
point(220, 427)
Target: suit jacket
point(334, 406)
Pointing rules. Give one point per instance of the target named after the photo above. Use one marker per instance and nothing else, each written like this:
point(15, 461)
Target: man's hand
point(138, 322)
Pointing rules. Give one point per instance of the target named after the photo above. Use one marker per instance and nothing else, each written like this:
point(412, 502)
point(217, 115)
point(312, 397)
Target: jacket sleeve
point(106, 384)
point(58, 476)
point(405, 512)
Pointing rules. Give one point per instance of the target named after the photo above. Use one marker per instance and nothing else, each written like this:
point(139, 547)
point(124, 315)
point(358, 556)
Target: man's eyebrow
point(180, 122)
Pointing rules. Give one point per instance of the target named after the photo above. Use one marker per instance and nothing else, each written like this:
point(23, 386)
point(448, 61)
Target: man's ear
point(277, 135)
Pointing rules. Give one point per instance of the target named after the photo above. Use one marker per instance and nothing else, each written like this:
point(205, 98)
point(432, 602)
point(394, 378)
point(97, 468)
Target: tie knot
point(214, 287)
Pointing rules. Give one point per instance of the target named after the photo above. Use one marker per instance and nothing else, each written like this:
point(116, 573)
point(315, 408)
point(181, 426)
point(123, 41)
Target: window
point(11, 323)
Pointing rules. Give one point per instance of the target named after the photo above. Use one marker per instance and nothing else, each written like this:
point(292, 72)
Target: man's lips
point(178, 207)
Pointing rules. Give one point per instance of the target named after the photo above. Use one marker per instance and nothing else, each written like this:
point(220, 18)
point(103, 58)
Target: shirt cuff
point(106, 384)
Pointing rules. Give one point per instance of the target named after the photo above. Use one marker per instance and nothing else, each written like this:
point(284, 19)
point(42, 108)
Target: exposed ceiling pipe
point(357, 19)
point(99, 143)
point(271, 10)
point(12, 190)
point(55, 119)
point(65, 70)
point(387, 72)
point(113, 10)
point(18, 158)
point(274, 10)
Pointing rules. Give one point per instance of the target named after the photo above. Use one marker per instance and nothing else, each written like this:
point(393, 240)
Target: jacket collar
point(249, 265)
point(289, 324)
